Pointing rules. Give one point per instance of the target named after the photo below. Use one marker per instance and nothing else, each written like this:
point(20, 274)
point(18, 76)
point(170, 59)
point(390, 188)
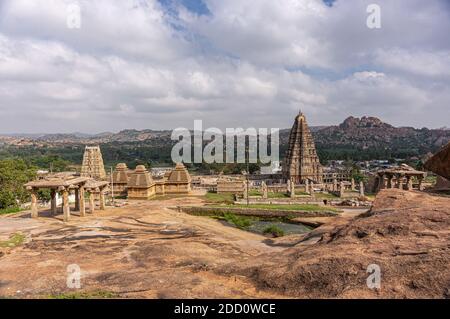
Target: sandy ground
point(144, 250)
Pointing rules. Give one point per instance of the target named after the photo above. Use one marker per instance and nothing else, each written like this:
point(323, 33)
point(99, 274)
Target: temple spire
point(301, 161)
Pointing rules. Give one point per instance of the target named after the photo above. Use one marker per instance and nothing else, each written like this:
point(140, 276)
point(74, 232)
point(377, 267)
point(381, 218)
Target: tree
point(14, 173)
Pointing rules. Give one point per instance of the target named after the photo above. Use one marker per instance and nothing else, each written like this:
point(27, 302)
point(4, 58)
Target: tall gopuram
point(93, 163)
point(301, 161)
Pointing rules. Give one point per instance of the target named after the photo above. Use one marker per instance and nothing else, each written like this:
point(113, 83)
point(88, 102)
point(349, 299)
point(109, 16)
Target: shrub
point(274, 230)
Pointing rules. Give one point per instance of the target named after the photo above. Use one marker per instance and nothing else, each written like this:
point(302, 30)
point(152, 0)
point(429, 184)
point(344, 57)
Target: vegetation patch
point(273, 230)
point(85, 295)
point(239, 221)
point(14, 241)
point(10, 210)
point(215, 198)
point(293, 207)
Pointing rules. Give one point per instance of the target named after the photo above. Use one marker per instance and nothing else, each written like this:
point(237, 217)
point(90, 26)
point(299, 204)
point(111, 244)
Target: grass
point(326, 196)
point(85, 295)
point(10, 210)
point(219, 198)
point(294, 207)
point(15, 240)
point(273, 230)
point(254, 193)
point(239, 221)
point(166, 197)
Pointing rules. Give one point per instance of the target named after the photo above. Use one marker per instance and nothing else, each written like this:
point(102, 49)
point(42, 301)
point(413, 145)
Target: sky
point(161, 64)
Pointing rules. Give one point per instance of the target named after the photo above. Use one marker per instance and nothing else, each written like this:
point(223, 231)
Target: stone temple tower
point(93, 163)
point(301, 161)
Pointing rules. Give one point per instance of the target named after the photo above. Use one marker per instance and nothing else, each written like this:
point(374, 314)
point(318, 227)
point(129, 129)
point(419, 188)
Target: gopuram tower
point(301, 162)
point(93, 163)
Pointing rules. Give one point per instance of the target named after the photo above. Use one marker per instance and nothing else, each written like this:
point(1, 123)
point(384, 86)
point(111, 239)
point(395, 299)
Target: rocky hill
point(356, 138)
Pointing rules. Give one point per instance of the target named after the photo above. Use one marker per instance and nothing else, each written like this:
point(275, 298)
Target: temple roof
point(58, 180)
point(179, 174)
point(402, 169)
point(120, 174)
point(140, 178)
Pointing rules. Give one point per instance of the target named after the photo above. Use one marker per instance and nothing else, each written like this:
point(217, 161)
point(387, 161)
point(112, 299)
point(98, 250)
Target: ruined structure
point(141, 184)
point(120, 179)
point(401, 177)
point(230, 185)
point(301, 161)
point(93, 163)
point(177, 181)
point(65, 184)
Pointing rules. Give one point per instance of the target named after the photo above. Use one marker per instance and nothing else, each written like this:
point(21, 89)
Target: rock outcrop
point(407, 234)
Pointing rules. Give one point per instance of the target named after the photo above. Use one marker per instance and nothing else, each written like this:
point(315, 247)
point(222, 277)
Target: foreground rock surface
point(406, 233)
point(149, 250)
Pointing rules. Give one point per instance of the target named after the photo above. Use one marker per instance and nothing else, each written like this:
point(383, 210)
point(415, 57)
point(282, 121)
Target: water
point(288, 228)
point(258, 227)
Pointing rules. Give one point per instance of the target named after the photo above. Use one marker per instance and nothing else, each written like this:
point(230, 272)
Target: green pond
point(258, 226)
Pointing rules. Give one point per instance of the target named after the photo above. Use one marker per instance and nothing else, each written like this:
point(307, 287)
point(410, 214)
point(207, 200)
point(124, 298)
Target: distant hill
point(369, 137)
point(355, 138)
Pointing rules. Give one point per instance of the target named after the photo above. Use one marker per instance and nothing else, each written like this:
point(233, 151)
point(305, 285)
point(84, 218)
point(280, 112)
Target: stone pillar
point(409, 183)
point(53, 205)
point(421, 183)
point(264, 190)
point(77, 199)
point(91, 202)
point(81, 201)
point(391, 183)
point(288, 186)
point(353, 184)
point(292, 189)
point(361, 189)
point(384, 181)
point(102, 199)
point(335, 185)
point(341, 189)
point(34, 207)
point(245, 193)
point(400, 181)
point(307, 186)
point(65, 203)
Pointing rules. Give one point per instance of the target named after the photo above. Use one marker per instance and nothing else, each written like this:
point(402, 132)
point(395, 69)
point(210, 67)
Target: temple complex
point(301, 162)
point(139, 184)
point(93, 163)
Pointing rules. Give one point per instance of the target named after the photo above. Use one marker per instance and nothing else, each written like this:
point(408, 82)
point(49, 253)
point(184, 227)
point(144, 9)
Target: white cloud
point(249, 63)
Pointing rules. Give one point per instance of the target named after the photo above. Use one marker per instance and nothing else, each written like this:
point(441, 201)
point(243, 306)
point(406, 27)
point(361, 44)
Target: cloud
point(149, 64)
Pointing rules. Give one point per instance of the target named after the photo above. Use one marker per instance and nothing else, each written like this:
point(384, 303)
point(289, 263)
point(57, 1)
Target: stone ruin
point(139, 184)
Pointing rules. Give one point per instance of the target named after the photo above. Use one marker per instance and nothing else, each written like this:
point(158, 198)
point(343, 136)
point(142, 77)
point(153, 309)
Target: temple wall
point(141, 193)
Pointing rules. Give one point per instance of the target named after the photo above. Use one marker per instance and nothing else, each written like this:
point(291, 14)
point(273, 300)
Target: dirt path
point(144, 250)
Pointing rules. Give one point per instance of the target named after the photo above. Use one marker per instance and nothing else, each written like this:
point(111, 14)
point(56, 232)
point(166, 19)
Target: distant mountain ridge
point(365, 137)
